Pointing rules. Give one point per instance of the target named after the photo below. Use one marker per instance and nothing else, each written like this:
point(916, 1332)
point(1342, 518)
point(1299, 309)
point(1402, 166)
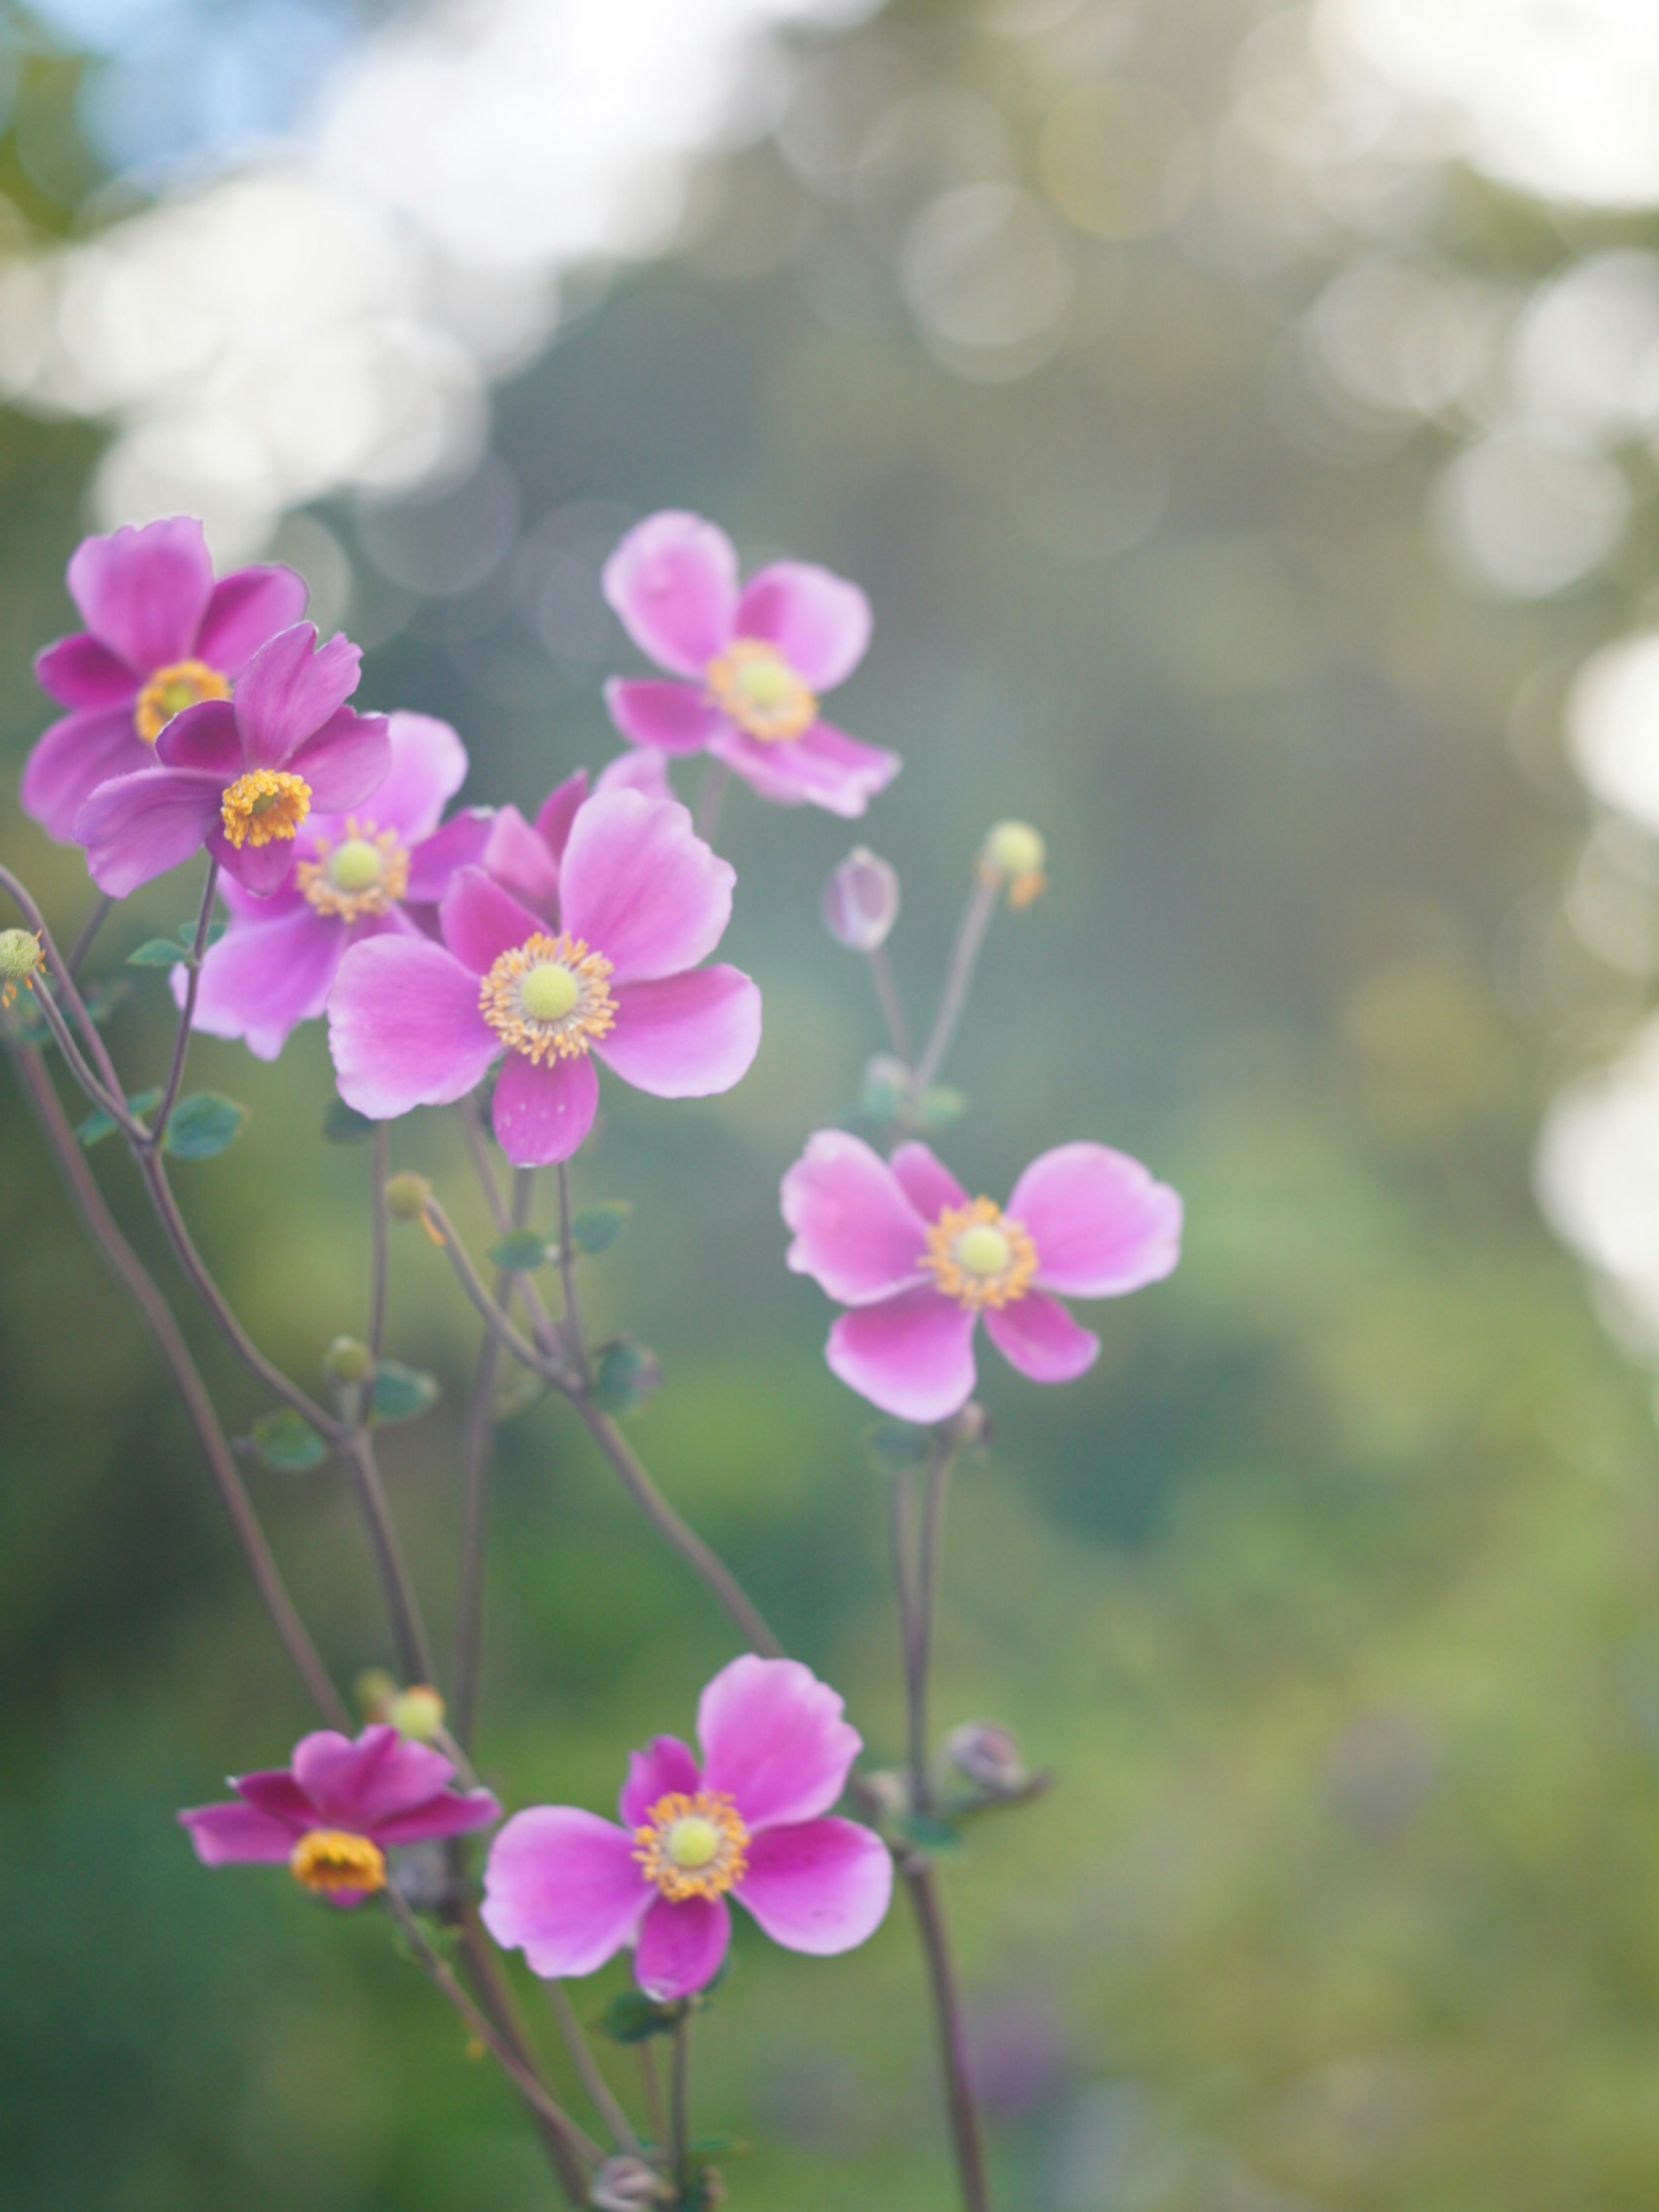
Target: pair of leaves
point(287, 1444)
point(624, 1375)
point(199, 1127)
point(592, 1229)
point(168, 952)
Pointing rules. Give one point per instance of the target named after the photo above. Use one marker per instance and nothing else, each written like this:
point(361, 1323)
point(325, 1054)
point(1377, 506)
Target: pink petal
point(204, 737)
point(262, 978)
point(404, 1028)
point(358, 1782)
point(642, 887)
point(1038, 1336)
point(434, 861)
point(480, 921)
point(247, 607)
point(825, 768)
point(139, 826)
point(345, 763)
point(143, 592)
point(926, 1181)
point(558, 811)
point(913, 1355)
point(673, 582)
point(639, 767)
point(687, 1037)
point(273, 1790)
point(79, 672)
point(261, 869)
point(664, 1767)
point(672, 718)
point(518, 858)
point(1101, 1223)
point(542, 1114)
point(72, 759)
point(564, 1887)
point(821, 1885)
point(231, 1835)
point(681, 1945)
point(774, 1740)
point(819, 622)
point(426, 767)
point(292, 687)
point(857, 1232)
point(447, 1813)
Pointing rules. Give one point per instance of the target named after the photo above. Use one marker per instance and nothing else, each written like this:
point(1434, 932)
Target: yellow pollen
point(367, 872)
point(330, 1859)
point(754, 685)
point(264, 805)
point(170, 690)
point(692, 1846)
point(978, 1256)
point(547, 997)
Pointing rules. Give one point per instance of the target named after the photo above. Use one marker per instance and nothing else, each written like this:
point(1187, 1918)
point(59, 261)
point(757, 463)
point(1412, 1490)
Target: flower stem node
point(417, 1712)
point(628, 2184)
point(20, 956)
point(407, 1197)
point(348, 1360)
point(1016, 854)
point(988, 1755)
point(861, 901)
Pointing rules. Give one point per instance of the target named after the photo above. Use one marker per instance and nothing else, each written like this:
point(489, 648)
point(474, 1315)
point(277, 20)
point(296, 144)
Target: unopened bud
point(407, 1196)
point(861, 901)
point(347, 1360)
point(988, 1754)
point(20, 956)
point(375, 1689)
point(627, 2184)
point(1014, 853)
point(417, 1711)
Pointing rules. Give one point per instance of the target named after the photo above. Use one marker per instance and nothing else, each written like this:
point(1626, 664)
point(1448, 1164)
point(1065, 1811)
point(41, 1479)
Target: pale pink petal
point(79, 672)
point(434, 861)
point(1100, 1222)
point(143, 592)
point(72, 759)
point(345, 763)
point(673, 582)
point(857, 1232)
point(518, 858)
point(292, 686)
point(642, 887)
point(926, 1181)
point(913, 1355)
point(480, 921)
point(232, 1835)
point(639, 768)
point(446, 1812)
point(262, 979)
point(774, 1740)
point(820, 1885)
point(558, 811)
point(542, 1114)
point(404, 1028)
point(664, 1768)
point(825, 768)
point(681, 1945)
point(672, 718)
point(687, 1036)
point(1038, 1336)
point(137, 827)
point(247, 607)
point(204, 737)
point(426, 767)
point(356, 1783)
point(818, 620)
point(563, 1886)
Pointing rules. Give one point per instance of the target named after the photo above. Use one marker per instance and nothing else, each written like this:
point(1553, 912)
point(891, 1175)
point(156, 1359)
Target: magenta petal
point(261, 869)
point(913, 1355)
point(434, 861)
point(541, 1114)
point(687, 1036)
point(673, 582)
point(79, 672)
point(819, 1885)
point(345, 763)
point(681, 1945)
point(291, 687)
point(638, 768)
point(404, 1028)
point(139, 826)
point(926, 1181)
point(642, 887)
point(447, 1813)
point(774, 1740)
point(1038, 1336)
point(72, 759)
point(564, 1887)
point(558, 811)
point(273, 1790)
point(673, 718)
point(358, 1782)
point(248, 607)
point(819, 622)
point(518, 858)
point(857, 1232)
point(1100, 1222)
point(204, 737)
point(480, 921)
point(664, 1767)
point(231, 1835)
point(825, 768)
point(262, 978)
point(143, 592)
point(426, 766)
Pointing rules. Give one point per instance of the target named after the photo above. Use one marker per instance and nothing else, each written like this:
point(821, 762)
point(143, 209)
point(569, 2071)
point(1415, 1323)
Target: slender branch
point(575, 1339)
point(887, 997)
point(587, 2067)
point(656, 2111)
point(494, 1314)
point(378, 1149)
point(414, 1651)
point(679, 2114)
point(59, 967)
point(158, 1128)
point(110, 1102)
point(715, 777)
point(940, 1461)
point(478, 1145)
point(921, 1880)
point(904, 1578)
point(964, 953)
point(90, 929)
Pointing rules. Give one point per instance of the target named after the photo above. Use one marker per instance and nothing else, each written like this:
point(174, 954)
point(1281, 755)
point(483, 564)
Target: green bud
point(347, 1360)
point(407, 1196)
point(417, 1711)
point(375, 1689)
point(19, 954)
point(1015, 854)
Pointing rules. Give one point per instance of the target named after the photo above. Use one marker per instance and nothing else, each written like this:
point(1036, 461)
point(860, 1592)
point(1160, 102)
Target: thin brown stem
point(604, 2099)
point(940, 1461)
point(656, 2113)
point(158, 1128)
point(575, 1337)
point(887, 998)
point(921, 1880)
point(90, 929)
point(397, 1588)
point(679, 2110)
point(379, 1147)
point(965, 954)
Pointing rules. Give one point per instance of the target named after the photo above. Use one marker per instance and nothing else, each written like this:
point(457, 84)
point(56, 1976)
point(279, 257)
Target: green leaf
point(625, 1374)
point(941, 1105)
point(882, 1089)
point(99, 1125)
point(402, 1394)
point(926, 1832)
point(204, 1124)
point(892, 1445)
point(287, 1443)
point(156, 953)
point(523, 1250)
point(594, 1228)
point(633, 2017)
point(344, 1125)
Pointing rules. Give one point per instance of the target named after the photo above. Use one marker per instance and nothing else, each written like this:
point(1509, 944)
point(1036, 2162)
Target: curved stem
point(887, 997)
point(90, 929)
point(587, 2067)
point(414, 1651)
point(378, 1149)
point(964, 953)
point(158, 1128)
point(921, 1880)
point(679, 2108)
point(574, 1336)
point(940, 1464)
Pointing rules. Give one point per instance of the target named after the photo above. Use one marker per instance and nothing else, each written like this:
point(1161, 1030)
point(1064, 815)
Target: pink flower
point(332, 1816)
point(160, 634)
point(240, 776)
point(757, 659)
point(607, 963)
point(919, 1261)
point(524, 856)
point(569, 1890)
point(356, 876)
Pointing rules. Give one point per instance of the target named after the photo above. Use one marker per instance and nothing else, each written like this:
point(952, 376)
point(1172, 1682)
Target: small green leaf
point(893, 1445)
point(402, 1394)
point(941, 1105)
point(99, 1125)
point(287, 1444)
point(155, 953)
point(344, 1125)
point(594, 1228)
point(882, 1088)
point(625, 1374)
point(523, 1250)
point(633, 2017)
point(204, 1124)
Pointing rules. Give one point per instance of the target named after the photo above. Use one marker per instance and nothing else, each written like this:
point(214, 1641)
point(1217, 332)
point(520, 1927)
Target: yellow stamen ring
point(547, 997)
point(753, 684)
point(978, 1256)
point(329, 1859)
point(693, 1846)
point(264, 805)
point(170, 690)
point(367, 872)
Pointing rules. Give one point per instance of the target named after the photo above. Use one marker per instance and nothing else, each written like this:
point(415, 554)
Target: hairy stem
point(679, 2113)
point(90, 929)
point(158, 1127)
point(887, 997)
point(921, 1880)
point(574, 1336)
point(588, 2067)
point(407, 1629)
point(964, 953)
point(940, 1461)
point(379, 1148)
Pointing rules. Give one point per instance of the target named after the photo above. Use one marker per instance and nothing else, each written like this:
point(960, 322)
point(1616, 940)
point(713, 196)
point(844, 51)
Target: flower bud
point(627, 2184)
point(375, 1689)
point(407, 1196)
point(861, 901)
point(1014, 853)
point(20, 956)
point(417, 1711)
point(347, 1360)
point(989, 1756)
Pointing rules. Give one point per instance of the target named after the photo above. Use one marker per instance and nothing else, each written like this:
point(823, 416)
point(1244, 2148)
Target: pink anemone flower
point(570, 1889)
point(377, 872)
point(524, 856)
point(757, 658)
point(919, 1261)
point(240, 775)
point(640, 902)
point(333, 1815)
point(159, 635)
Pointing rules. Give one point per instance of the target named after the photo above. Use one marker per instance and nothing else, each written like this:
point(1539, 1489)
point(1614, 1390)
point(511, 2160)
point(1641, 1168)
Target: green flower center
point(355, 865)
point(693, 1842)
point(983, 1250)
point(549, 992)
point(767, 682)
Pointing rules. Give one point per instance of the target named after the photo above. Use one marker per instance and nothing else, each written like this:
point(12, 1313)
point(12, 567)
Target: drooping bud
point(1014, 853)
point(20, 956)
point(348, 1360)
point(989, 1756)
point(417, 1711)
point(861, 901)
point(407, 1197)
point(628, 2184)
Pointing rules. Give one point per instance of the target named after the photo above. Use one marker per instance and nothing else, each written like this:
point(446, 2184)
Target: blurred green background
point(1331, 1596)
